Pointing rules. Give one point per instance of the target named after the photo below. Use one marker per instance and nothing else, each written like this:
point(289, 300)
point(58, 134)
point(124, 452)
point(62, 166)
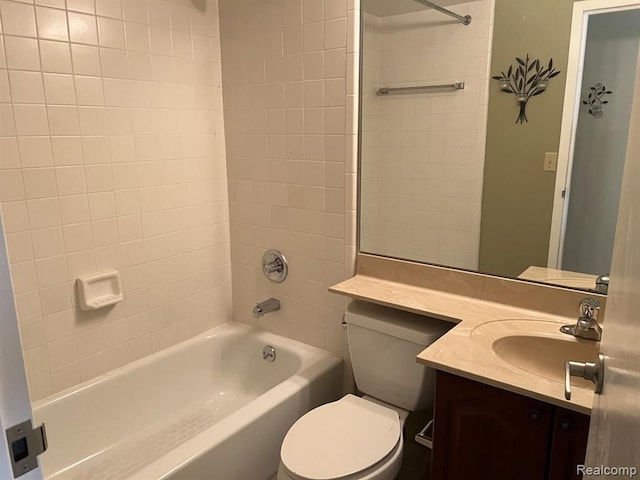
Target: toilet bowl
point(351, 439)
point(360, 438)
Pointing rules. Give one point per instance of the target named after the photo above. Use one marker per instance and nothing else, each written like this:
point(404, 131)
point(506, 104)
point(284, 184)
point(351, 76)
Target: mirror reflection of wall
point(517, 201)
point(431, 192)
point(601, 139)
point(423, 154)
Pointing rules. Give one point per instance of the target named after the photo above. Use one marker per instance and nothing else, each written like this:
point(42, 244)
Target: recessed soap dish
point(99, 290)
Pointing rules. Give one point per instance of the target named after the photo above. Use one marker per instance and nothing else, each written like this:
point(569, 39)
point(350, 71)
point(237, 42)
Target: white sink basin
point(537, 346)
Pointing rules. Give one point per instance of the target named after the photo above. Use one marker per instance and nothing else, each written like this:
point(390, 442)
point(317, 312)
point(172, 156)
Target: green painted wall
point(517, 198)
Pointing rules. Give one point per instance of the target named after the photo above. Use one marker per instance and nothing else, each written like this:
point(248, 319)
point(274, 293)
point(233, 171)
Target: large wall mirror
point(466, 159)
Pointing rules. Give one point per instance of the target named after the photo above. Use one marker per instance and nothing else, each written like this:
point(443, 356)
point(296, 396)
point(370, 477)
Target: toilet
point(360, 438)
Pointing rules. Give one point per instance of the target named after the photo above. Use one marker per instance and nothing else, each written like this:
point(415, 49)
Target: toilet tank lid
point(408, 326)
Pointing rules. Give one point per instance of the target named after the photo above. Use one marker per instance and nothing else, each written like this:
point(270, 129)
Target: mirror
point(454, 175)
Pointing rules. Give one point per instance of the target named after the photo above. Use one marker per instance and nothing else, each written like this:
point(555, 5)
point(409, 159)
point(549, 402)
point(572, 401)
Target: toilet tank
point(383, 345)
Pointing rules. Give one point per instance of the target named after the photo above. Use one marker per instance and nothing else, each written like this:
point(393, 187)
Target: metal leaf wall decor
point(527, 78)
point(595, 99)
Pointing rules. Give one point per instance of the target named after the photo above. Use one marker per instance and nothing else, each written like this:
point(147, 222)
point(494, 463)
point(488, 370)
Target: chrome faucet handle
point(588, 308)
point(593, 371)
point(276, 266)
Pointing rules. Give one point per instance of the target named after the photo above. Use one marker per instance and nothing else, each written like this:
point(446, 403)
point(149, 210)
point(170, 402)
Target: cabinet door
point(482, 432)
point(568, 444)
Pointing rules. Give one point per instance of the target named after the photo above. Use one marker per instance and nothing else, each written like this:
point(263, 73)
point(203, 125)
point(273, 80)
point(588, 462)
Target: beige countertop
point(466, 350)
point(564, 278)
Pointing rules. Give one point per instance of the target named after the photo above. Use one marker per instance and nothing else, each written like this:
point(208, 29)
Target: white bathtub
point(208, 408)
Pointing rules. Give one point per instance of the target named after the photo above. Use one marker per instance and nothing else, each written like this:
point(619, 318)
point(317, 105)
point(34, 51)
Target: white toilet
point(358, 438)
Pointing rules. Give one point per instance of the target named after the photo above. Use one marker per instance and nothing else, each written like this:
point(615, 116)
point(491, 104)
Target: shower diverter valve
point(99, 290)
point(275, 266)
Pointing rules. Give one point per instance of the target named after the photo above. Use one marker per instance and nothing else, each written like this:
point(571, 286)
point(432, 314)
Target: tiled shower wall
point(112, 156)
point(423, 155)
point(289, 94)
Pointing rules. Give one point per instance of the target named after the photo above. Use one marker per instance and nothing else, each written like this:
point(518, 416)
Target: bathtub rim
point(233, 327)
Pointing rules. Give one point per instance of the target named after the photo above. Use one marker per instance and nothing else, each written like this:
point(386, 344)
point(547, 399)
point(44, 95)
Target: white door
point(15, 406)
point(614, 435)
point(586, 65)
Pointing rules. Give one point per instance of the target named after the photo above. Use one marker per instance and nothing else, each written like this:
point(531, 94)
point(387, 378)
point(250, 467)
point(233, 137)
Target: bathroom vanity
point(500, 408)
point(486, 432)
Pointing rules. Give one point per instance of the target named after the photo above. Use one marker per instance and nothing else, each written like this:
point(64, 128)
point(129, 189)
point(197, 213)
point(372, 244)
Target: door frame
point(582, 10)
point(15, 404)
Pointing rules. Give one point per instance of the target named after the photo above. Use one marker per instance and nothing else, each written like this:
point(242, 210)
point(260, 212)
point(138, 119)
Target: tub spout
point(268, 306)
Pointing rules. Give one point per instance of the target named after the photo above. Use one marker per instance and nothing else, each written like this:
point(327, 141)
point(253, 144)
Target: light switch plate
point(550, 161)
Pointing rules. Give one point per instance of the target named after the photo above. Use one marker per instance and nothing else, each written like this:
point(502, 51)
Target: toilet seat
point(341, 439)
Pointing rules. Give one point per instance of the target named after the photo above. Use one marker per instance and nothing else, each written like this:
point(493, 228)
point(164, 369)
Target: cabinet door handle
point(565, 425)
point(535, 415)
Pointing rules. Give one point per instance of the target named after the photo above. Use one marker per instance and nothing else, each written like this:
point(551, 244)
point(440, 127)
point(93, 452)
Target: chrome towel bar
point(420, 88)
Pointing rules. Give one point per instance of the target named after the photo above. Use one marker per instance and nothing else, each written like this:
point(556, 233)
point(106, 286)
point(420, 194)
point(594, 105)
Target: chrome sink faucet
point(587, 325)
point(602, 283)
point(268, 306)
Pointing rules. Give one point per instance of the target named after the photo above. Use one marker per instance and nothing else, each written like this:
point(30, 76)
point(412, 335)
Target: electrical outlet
point(550, 161)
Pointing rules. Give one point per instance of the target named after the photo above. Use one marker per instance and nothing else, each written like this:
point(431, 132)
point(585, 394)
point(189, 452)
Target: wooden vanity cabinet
point(568, 444)
point(483, 432)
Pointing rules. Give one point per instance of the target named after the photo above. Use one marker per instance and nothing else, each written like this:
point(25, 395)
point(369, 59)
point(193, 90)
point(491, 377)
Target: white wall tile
point(137, 36)
point(11, 185)
point(22, 53)
point(55, 57)
point(102, 205)
point(47, 242)
point(77, 237)
point(20, 248)
point(43, 212)
point(430, 137)
point(18, 19)
point(35, 152)
point(39, 182)
point(82, 28)
point(63, 352)
point(63, 120)
point(65, 377)
point(52, 24)
point(96, 125)
point(51, 271)
point(26, 87)
point(5, 94)
point(109, 8)
point(7, 121)
point(280, 181)
point(89, 90)
point(67, 150)
point(87, 6)
point(71, 180)
point(86, 60)
point(59, 89)
point(36, 361)
point(31, 120)
point(111, 33)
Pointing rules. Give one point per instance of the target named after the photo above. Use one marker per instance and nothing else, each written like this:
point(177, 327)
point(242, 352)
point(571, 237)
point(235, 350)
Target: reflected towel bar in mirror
point(420, 88)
